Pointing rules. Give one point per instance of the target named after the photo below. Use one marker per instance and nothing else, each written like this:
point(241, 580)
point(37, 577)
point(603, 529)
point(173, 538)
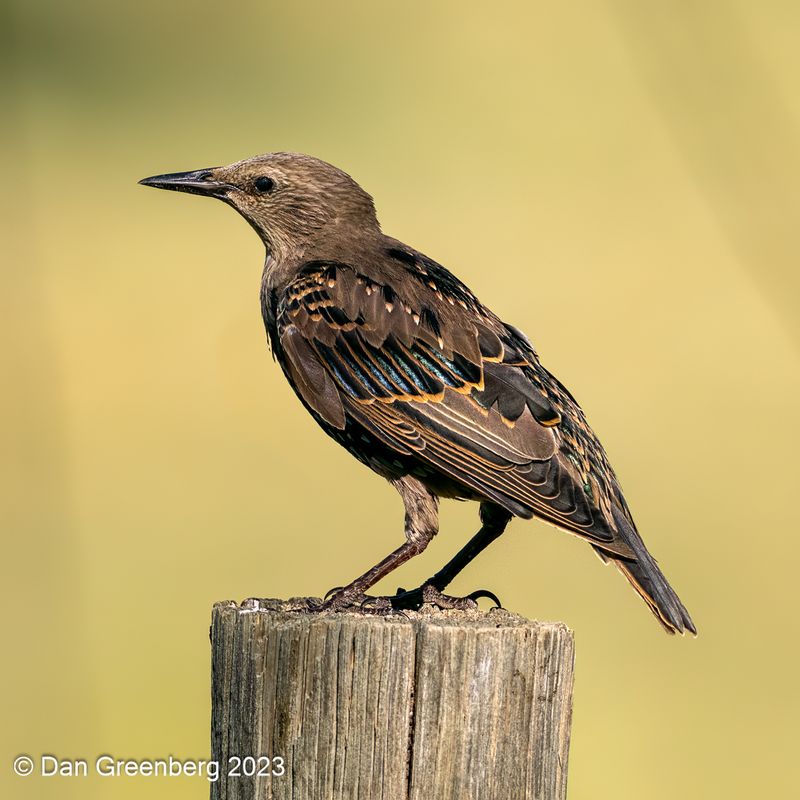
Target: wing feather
point(429, 373)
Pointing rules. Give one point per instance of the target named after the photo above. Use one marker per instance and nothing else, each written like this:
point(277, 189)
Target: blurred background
point(620, 179)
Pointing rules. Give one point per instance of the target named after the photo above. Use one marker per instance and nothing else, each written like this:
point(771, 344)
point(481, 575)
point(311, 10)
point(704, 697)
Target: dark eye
point(264, 184)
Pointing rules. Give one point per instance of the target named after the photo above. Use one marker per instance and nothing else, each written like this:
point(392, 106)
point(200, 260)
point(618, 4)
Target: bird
point(400, 363)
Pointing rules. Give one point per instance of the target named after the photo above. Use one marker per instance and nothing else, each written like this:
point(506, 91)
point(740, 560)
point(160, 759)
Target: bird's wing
point(429, 372)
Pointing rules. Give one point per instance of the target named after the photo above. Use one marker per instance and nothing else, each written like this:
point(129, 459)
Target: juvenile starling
point(399, 362)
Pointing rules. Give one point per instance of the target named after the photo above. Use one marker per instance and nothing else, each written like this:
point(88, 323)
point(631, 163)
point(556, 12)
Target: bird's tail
point(649, 581)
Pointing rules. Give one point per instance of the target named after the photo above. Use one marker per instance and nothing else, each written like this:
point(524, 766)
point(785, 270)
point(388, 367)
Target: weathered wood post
point(431, 706)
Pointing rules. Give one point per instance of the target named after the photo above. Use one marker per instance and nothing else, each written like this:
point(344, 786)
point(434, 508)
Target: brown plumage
point(400, 363)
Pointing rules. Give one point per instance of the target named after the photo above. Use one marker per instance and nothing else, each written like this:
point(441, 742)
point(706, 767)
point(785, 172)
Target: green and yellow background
point(620, 179)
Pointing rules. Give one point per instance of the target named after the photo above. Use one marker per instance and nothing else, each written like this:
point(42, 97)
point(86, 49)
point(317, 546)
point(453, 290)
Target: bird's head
point(287, 197)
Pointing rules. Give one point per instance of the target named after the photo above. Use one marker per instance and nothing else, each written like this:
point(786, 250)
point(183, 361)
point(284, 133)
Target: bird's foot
point(301, 604)
point(427, 594)
point(344, 598)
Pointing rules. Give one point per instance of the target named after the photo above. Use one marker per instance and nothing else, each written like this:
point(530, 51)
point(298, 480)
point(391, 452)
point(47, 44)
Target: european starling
point(400, 363)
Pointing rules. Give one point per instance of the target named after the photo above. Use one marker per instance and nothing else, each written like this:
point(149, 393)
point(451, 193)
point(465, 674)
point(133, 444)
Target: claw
point(332, 591)
point(476, 595)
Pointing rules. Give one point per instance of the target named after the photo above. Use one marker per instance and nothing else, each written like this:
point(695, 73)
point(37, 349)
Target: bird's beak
point(200, 181)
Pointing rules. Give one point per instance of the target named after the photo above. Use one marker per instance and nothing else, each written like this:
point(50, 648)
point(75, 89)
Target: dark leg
point(421, 525)
point(494, 519)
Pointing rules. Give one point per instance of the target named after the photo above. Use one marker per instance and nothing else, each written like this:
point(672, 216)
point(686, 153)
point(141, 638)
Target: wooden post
point(430, 706)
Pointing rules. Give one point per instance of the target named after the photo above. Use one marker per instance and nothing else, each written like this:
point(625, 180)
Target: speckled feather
point(406, 351)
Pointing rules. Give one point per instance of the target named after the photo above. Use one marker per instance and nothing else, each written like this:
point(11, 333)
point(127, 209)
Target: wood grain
point(429, 706)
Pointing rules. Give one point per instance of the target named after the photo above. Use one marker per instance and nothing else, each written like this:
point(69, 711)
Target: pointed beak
point(200, 181)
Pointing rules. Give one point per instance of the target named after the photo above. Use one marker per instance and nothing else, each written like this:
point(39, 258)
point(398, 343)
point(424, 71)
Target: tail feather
point(645, 576)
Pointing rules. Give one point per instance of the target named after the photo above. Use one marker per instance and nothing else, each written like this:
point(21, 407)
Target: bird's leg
point(421, 525)
point(494, 519)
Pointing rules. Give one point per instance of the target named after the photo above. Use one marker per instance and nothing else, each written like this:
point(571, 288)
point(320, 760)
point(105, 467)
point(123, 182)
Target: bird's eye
point(264, 184)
